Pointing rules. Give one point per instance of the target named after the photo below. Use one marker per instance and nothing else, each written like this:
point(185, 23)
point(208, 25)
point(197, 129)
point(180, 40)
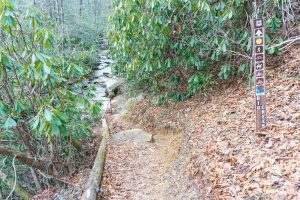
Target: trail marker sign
point(259, 73)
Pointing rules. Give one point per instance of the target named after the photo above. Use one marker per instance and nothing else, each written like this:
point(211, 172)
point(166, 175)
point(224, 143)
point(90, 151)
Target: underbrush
point(45, 116)
point(177, 48)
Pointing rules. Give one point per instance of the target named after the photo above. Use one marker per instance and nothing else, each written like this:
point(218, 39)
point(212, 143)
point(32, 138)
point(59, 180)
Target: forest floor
point(208, 148)
point(138, 170)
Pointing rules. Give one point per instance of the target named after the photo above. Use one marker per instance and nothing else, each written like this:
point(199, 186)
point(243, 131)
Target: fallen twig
point(13, 184)
point(15, 179)
point(287, 43)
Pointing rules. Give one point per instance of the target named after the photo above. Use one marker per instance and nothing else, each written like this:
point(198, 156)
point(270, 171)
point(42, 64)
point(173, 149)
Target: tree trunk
point(80, 9)
point(50, 7)
point(96, 13)
point(24, 133)
point(1, 197)
point(30, 161)
point(18, 189)
point(76, 143)
point(23, 130)
point(62, 11)
point(57, 11)
point(35, 179)
point(93, 182)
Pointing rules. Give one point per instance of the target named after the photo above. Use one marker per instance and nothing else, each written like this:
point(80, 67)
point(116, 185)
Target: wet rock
point(123, 103)
point(100, 83)
point(104, 82)
point(115, 86)
point(108, 75)
point(85, 82)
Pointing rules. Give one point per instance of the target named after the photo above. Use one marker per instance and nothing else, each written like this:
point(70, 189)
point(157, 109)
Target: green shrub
point(166, 45)
point(39, 105)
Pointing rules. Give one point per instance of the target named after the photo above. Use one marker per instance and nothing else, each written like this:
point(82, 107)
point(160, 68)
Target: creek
point(104, 81)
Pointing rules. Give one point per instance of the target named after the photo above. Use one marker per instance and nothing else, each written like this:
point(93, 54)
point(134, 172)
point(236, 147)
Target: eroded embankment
point(221, 156)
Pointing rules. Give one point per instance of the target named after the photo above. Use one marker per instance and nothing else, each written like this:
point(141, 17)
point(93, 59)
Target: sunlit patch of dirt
point(138, 171)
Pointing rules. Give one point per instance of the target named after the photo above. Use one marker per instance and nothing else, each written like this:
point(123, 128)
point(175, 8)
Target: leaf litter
point(221, 156)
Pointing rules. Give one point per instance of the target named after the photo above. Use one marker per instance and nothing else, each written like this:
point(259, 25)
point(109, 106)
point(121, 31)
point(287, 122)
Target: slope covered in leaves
point(222, 156)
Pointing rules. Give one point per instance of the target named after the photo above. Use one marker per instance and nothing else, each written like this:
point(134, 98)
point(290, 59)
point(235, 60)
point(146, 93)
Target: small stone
point(269, 145)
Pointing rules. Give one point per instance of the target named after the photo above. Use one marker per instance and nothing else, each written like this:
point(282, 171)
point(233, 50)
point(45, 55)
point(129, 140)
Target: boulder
point(133, 135)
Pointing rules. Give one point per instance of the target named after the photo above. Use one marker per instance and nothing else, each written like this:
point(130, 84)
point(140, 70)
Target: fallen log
point(93, 182)
point(17, 188)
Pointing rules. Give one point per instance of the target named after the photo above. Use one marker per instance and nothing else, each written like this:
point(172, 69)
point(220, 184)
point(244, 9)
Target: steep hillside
point(221, 154)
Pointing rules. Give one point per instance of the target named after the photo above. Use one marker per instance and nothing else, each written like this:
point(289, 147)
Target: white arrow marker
point(259, 66)
point(258, 33)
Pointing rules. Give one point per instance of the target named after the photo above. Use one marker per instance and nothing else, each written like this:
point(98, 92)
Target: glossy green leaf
point(9, 123)
point(48, 115)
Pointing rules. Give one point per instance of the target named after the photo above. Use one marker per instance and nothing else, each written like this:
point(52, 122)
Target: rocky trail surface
point(217, 153)
point(137, 161)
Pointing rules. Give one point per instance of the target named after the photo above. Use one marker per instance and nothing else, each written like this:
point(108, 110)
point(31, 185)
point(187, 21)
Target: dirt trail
point(137, 171)
point(221, 154)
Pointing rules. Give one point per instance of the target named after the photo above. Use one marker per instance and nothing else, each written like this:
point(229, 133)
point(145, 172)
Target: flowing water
point(104, 81)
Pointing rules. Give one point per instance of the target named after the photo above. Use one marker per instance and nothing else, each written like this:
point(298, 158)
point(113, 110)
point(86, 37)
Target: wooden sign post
point(260, 75)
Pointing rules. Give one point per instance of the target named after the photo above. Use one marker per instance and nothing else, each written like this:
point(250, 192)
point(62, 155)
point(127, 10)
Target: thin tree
point(80, 8)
